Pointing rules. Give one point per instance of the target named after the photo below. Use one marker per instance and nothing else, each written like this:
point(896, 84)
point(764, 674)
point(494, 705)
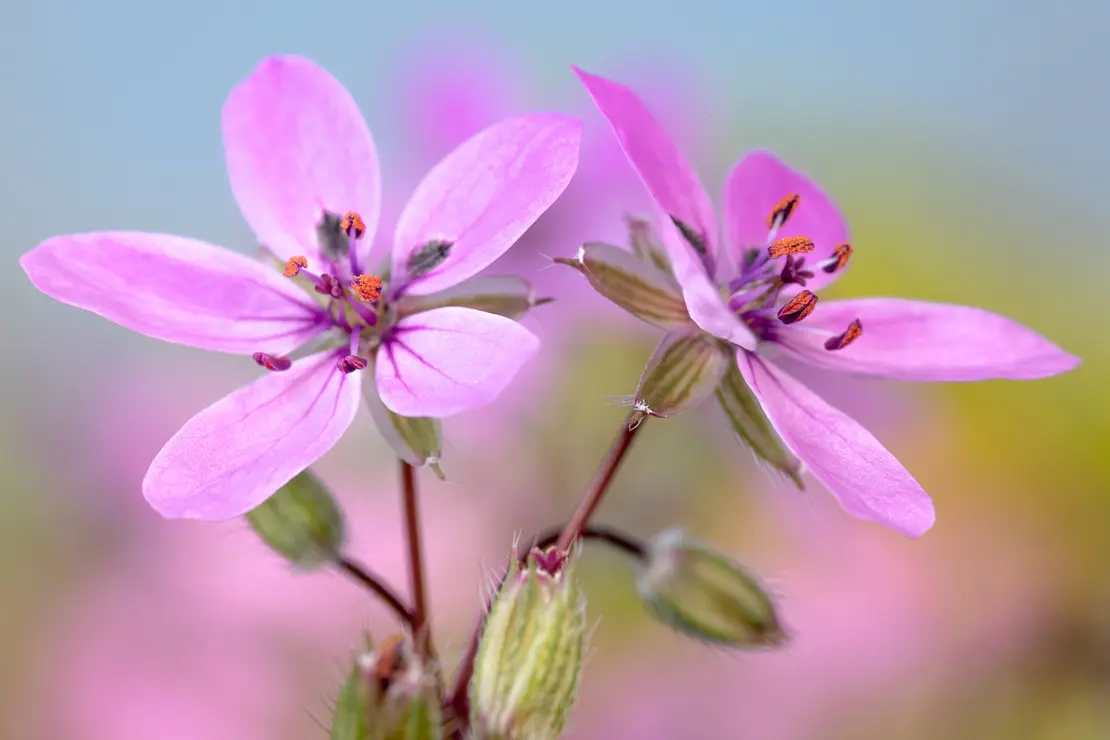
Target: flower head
point(304, 170)
point(788, 240)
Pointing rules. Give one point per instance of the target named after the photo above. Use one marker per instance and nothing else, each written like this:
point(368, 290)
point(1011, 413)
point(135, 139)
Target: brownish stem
point(416, 560)
point(371, 582)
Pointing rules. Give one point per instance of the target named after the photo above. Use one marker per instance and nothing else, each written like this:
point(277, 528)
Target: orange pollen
point(798, 307)
point(293, 265)
point(842, 253)
point(782, 210)
point(851, 334)
point(352, 220)
point(367, 287)
point(790, 245)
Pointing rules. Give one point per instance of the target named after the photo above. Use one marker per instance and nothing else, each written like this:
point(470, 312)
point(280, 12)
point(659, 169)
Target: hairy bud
point(529, 660)
point(301, 522)
point(699, 592)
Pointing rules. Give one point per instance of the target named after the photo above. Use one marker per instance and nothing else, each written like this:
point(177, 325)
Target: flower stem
point(459, 702)
point(375, 585)
point(617, 539)
point(416, 561)
point(600, 484)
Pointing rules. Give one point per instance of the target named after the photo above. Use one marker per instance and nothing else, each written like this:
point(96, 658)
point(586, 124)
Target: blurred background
point(965, 142)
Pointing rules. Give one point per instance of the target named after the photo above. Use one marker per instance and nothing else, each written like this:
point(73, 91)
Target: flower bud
point(301, 522)
point(507, 296)
point(632, 283)
point(684, 371)
point(388, 695)
point(529, 659)
point(416, 440)
point(699, 592)
point(750, 422)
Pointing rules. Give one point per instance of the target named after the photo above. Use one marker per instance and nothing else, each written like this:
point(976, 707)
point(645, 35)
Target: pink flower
point(789, 240)
point(304, 170)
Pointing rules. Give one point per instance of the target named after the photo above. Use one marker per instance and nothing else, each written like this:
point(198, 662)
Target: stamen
point(276, 363)
point(428, 257)
point(353, 222)
point(790, 245)
point(851, 334)
point(367, 287)
point(294, 265)
point(350, 363)
point(782, 211)
point(692, 237)
point(841, 254)
point(798, 307)
point(329, 285)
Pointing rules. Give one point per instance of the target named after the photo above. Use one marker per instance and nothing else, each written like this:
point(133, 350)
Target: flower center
point(758, 294)
point(352, 299)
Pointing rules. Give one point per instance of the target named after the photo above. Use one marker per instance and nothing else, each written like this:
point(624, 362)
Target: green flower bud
point(632, 283)
point(529, 660)
point(508, 296)
point(699, 592)
point(416, 440)
point(301, 522)
point(388, 695)
point(753, 427)
point(684, 371)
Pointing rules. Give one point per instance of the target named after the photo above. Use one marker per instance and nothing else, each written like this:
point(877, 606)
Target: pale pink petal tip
point(297, 145)
point(448, 360)
point(176, 289)
point(482, 197)
point(235, 454)
point(863, 475)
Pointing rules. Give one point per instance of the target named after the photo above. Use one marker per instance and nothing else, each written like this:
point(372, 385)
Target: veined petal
point(236, 453)
point(657, 160)
point(868, 481)
point(296, 146)
point(756, 184)
point(177, 289)
point(916, 340)
point(479, 200)
point(447, 360)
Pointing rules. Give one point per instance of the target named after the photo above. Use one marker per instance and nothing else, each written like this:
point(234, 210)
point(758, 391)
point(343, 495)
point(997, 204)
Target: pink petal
point(448, 360)
point(296, 145)
point(236, 453)
point(656, 158)
point(756, 184)
point(484, 195)
point(916, 340)
point(703, 298)
point(867, 480)
point(177, 289)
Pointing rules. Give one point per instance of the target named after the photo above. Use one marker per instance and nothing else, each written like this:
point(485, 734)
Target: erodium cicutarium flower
point(304, 170)
point(787, 240)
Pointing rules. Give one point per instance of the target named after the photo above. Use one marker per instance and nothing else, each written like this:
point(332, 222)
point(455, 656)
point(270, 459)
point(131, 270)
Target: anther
point(798, 307)
point(350, 363)
point(782, 211)
point(841, 254)
point(353, 222)
point(329, 285)
point(276, 363)
point(294, 265)
point(691, 235)
point(851, 334)
point(330, 236)
point(790, 245)
point(367, 287)
point(428, 257)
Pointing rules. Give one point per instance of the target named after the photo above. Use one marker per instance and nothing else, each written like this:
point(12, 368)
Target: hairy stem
point(600, 484)
point(376, 586)
point(617, 539)
point(416, 561)
point(459, 701)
